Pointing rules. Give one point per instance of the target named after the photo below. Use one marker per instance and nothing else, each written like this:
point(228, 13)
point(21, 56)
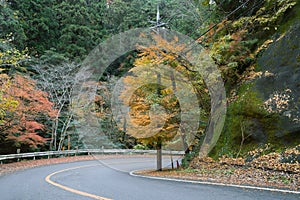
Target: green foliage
point(267, 19)
point(234, 41)
point(81, 27)
point(124, 15)
point(107, 126)
point(7, 105)
point(11, 26)
point(187, 159)
point(74, 28)
point(180, 16)
point(52, 57)
point(230, 6)
point(12, 59)
point(37, 19)
point(234, 52)
point(247, 124)
point(120, 66)
point(235, 45)
point(140, 147)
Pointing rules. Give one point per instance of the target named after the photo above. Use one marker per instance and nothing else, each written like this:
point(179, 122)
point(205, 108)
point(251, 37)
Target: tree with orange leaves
point(150, 92)
point(21, 126)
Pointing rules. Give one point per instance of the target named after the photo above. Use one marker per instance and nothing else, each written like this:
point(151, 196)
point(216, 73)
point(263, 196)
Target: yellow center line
point(48, 179)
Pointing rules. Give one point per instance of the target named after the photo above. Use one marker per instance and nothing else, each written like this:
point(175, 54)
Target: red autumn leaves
point(23, 122)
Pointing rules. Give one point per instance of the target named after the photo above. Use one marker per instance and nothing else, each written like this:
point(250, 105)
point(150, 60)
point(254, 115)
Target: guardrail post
point(172, 160)
point(76, 151)
point(177, 163)
point(18, 152)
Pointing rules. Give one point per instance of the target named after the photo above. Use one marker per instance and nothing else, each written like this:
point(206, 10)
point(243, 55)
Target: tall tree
point(37, 19)
point(155, 111)
point(182, 16)
point(81, 26)
point(10, 25)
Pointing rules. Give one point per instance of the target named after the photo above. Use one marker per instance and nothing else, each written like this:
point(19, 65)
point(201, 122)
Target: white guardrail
point(85, 151)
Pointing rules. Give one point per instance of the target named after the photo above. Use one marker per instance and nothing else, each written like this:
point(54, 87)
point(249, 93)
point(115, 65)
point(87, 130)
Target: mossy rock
point(267, 110)
point(280, 88)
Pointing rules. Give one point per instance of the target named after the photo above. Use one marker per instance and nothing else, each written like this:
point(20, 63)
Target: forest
point(253, 43)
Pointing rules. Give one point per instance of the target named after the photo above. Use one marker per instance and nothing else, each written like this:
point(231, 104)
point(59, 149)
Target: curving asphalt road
point(110, 179)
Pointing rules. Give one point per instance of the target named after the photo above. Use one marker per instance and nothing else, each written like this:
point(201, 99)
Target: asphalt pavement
point(110, 179)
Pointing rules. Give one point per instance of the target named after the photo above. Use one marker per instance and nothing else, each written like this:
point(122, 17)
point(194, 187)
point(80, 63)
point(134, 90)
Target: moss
point(187, 159)
point(248, 124)
point(247, 115)
point(291, 18)
point(288, 140)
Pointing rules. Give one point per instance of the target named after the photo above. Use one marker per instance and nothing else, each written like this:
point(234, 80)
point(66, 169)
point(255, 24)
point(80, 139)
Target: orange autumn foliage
point(23, 124)
point(167, 122)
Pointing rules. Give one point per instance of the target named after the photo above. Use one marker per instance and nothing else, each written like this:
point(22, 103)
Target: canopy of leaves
point(155, 112)
point(25, 108)
point(73, 28)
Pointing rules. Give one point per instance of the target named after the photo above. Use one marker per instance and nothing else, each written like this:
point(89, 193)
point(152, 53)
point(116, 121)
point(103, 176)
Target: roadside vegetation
point(43, 42)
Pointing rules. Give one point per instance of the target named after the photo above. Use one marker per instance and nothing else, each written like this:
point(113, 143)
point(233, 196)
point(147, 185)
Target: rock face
point(279, 85)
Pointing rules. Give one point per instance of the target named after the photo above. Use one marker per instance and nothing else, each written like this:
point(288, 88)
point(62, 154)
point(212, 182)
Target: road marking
point(133, 173)
point(48, 179)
